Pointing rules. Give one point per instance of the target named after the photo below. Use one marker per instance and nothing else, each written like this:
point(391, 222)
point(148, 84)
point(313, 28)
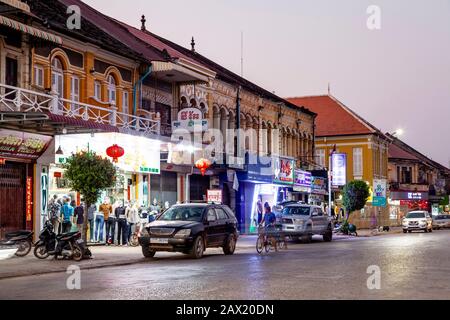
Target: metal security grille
point(12, 197)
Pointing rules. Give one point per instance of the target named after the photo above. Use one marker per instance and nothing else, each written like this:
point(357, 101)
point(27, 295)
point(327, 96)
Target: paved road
point(413, 266)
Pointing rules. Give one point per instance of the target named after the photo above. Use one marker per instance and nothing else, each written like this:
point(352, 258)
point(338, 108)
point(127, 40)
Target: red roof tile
point(395, 152)
point(334, 118)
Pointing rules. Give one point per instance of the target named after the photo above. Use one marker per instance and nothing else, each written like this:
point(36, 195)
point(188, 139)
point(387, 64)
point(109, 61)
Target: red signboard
point(29, 199)
point(57, 174)
point(214, 196)
point(22, 145)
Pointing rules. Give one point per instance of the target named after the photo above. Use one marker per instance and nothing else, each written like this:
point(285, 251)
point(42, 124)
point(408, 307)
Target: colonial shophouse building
point(341, 130)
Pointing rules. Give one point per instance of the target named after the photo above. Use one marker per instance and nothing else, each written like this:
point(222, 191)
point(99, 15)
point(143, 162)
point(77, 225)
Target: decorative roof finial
point(193, 44)
point(143, 23)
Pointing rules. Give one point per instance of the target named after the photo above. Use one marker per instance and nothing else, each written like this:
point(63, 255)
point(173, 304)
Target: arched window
point(112, 97)
point(58, 77)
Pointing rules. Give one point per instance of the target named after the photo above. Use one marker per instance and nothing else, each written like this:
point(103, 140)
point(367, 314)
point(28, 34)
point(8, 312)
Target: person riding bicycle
point(269, 224)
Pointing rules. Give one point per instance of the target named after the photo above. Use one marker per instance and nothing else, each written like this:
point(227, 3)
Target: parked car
point(417, 220)
point(441, 221)
point(190, 229)
point(278, 209)
point(303, 221)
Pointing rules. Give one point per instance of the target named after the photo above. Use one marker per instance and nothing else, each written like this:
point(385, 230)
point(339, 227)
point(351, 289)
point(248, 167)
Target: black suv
point(190, 229)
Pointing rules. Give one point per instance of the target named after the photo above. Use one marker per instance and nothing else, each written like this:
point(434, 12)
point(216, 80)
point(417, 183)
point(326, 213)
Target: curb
point(63, 269)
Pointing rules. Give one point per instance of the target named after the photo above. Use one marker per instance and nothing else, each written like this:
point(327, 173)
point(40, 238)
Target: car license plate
point(159, 240)
point(80, 241)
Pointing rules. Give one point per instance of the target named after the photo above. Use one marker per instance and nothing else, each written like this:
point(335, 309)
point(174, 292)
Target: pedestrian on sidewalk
point(55, 213)
point(79, 216)
point(67, 216)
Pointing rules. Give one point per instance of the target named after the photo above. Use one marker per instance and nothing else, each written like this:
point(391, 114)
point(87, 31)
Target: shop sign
point(379, 193)
point(319, 185)
point(29, 198)
point(409, 196)
point(284, 171)
point(339, 169)
point(190, 118)
point(303, 180)
point(142, 155)
point(22, 145)
point(214, 196)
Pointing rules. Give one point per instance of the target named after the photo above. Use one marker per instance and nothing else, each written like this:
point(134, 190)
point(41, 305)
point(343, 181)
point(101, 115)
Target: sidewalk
point(116, 256)
point(372, 233)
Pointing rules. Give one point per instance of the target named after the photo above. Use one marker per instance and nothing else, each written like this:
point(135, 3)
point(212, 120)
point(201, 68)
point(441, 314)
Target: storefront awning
point(30, 30)
point(180, 72)
point(17, 4)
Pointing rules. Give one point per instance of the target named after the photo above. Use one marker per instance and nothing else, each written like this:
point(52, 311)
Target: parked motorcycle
point(68, 245)
point(22, 240)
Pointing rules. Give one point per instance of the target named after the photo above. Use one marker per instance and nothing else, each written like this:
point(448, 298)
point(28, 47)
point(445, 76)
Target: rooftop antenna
point(329, 90)
point(242, 54)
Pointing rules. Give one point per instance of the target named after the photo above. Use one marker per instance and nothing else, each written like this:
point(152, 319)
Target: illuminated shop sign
point(339, 169)
point(142, 155)
point(22, 145)
point(411, 196)
point(319, 185)
point(302, 181)
point(214, 196)
point(283, 171)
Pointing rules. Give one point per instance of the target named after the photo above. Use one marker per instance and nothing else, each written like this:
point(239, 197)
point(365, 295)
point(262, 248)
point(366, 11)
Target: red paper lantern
point(203, 165)
point(115, 152)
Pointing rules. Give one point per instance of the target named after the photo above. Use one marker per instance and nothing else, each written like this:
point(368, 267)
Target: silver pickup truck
point(302, 221)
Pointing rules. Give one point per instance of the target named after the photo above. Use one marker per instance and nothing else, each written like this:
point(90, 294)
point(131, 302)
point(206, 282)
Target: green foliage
point(355, 195)
point(89, 174)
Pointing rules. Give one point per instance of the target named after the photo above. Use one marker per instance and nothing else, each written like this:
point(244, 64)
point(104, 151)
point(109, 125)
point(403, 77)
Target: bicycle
point(264, 241)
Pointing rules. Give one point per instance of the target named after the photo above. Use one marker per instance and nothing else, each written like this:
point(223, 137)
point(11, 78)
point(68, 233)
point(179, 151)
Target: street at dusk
point(209, 151)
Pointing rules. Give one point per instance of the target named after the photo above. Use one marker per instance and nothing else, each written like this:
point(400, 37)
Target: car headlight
point(184, 233)
point(405, 223)
point(299, 222)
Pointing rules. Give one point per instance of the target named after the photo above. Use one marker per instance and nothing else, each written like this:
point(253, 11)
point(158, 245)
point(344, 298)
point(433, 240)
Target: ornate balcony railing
point(14, 99)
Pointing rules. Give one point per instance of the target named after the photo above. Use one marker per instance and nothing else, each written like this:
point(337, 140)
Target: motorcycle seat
point(66, 235)
point(16, 234)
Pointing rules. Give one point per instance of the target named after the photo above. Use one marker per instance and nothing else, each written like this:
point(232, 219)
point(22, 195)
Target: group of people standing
point(118, 221)
point(65, 215)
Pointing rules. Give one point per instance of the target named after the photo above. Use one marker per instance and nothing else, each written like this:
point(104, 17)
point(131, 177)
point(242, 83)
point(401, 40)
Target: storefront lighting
point(59, 151)
point(2, 161)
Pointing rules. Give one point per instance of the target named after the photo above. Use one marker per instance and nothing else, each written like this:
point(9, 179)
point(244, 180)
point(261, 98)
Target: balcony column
point(113, 116)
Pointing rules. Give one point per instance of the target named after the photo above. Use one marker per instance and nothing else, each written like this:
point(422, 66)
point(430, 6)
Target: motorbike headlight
point(184, 233)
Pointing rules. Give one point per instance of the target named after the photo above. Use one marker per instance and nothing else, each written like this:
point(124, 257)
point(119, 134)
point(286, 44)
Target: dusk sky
point(395, 77)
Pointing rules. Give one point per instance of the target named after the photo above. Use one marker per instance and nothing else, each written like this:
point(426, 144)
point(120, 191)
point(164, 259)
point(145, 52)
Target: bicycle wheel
point(267, 245)
point(260, 244)
point(281, 243)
